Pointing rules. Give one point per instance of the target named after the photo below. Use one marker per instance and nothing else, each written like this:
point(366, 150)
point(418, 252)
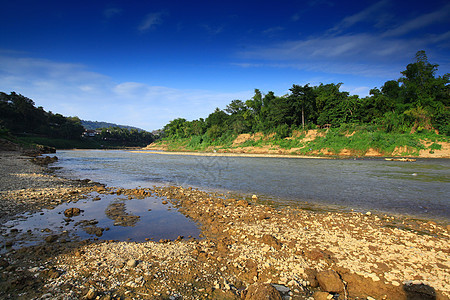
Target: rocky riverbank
point(248, 250)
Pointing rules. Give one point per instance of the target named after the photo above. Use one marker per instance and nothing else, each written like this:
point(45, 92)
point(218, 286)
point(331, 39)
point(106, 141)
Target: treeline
point(93, 125)
point(417, 101)
point(123, 137)
point(19, 115)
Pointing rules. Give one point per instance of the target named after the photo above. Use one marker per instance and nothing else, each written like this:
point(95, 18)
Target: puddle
point(102, 216)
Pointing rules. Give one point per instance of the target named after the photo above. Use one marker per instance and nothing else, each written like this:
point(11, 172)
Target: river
point(420, 189)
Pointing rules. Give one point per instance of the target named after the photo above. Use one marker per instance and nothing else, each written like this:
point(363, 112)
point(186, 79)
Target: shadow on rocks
point(419, 291)
point(28, 270)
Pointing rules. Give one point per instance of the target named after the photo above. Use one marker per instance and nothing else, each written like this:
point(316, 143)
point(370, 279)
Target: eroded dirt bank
point(238, 147)
point(248, 250)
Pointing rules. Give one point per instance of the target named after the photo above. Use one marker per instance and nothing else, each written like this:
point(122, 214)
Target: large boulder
point(329, 281)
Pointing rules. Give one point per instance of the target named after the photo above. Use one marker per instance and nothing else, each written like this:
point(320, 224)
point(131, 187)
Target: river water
point(420, 188)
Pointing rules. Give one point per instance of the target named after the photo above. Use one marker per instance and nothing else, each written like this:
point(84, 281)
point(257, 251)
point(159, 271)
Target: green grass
point(357, 139)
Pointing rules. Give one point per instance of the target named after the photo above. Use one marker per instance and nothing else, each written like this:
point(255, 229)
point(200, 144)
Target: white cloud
point(150, 21)
point(370, 13)
point(72, 90)
point(345, 48)
point(338, 51)
point(422, 21)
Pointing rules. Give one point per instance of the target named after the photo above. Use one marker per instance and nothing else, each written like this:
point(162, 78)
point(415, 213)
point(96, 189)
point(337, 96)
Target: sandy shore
point(228, 154)
point(249, 250)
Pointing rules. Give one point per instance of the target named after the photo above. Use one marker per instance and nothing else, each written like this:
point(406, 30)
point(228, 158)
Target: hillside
point(320, 142)
point(92, 125)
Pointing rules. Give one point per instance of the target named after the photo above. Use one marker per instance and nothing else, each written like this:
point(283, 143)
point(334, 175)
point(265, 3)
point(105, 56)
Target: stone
point(242, 203)
point(330, 281)
point(3, 263)
point(132, 263)
point(71, 212)
point(360, 286)
point(258, 291)
point(51, 238)
point(322, 296)
point(53, 273)
point(91, 294)
point(271, 241)
point(281, 288)
point(419, 291)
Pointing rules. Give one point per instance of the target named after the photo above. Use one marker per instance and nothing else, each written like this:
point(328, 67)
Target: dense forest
point(416, 102)
point(93, 125)
point(20, 117)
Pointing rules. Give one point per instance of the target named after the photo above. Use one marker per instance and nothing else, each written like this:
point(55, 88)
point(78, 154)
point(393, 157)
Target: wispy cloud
point(213, 30)
point(150, 21)
point(352, 47)
point(111, 12)
point(273, 30)
point(370, 13)
point(419, 22)
point(72, 89)
point(341, 51)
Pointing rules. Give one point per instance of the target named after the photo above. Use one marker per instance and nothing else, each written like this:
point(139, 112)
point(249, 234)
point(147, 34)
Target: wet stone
point(71, 212)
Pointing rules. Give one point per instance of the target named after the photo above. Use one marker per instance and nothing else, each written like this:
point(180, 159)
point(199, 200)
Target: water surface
point(420, 188)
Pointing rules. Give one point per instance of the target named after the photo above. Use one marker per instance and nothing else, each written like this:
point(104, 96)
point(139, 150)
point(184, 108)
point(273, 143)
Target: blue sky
point(144, 63)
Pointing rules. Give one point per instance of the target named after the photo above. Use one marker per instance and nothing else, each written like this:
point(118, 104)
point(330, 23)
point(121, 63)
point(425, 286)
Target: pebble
point(132, 263)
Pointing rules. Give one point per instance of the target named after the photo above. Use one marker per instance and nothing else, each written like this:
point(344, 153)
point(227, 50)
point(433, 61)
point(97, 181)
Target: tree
point(428, 96)
point(334, 107)
point(303, 99)
point(175, 128)
point(253, 114)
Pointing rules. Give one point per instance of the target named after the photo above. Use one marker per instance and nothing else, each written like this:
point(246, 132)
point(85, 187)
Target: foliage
point(21, 117)
point(93, 125)
point(416, 102)
point(116, 136)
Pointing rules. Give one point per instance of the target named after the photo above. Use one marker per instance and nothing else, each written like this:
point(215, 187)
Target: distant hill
point(92, 125)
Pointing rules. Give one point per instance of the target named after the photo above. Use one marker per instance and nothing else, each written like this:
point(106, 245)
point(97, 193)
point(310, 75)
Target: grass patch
point(355, 138)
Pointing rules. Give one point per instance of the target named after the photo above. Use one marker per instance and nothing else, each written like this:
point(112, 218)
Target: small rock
point(271, 241)
point(73, 211)
point(51, 238)
point(91, 294)
point(132, 263)
point(322, 296)
point(3, 263)
point(258, 291)
point(281, 288)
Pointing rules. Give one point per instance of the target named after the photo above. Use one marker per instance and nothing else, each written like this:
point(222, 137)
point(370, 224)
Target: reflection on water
point(110, 218)
point(418, 188)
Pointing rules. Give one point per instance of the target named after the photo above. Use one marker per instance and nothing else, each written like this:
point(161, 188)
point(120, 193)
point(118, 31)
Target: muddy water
point(420, 188)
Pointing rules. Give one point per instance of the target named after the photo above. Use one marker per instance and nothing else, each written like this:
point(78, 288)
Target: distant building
point(90, 133)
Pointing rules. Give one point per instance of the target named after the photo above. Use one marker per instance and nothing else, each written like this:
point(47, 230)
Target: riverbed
point(418, 188)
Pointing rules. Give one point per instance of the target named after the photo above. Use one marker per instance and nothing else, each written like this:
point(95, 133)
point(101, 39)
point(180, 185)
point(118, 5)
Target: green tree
point(175, 128)
point(334, 107)
point(303, 101)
